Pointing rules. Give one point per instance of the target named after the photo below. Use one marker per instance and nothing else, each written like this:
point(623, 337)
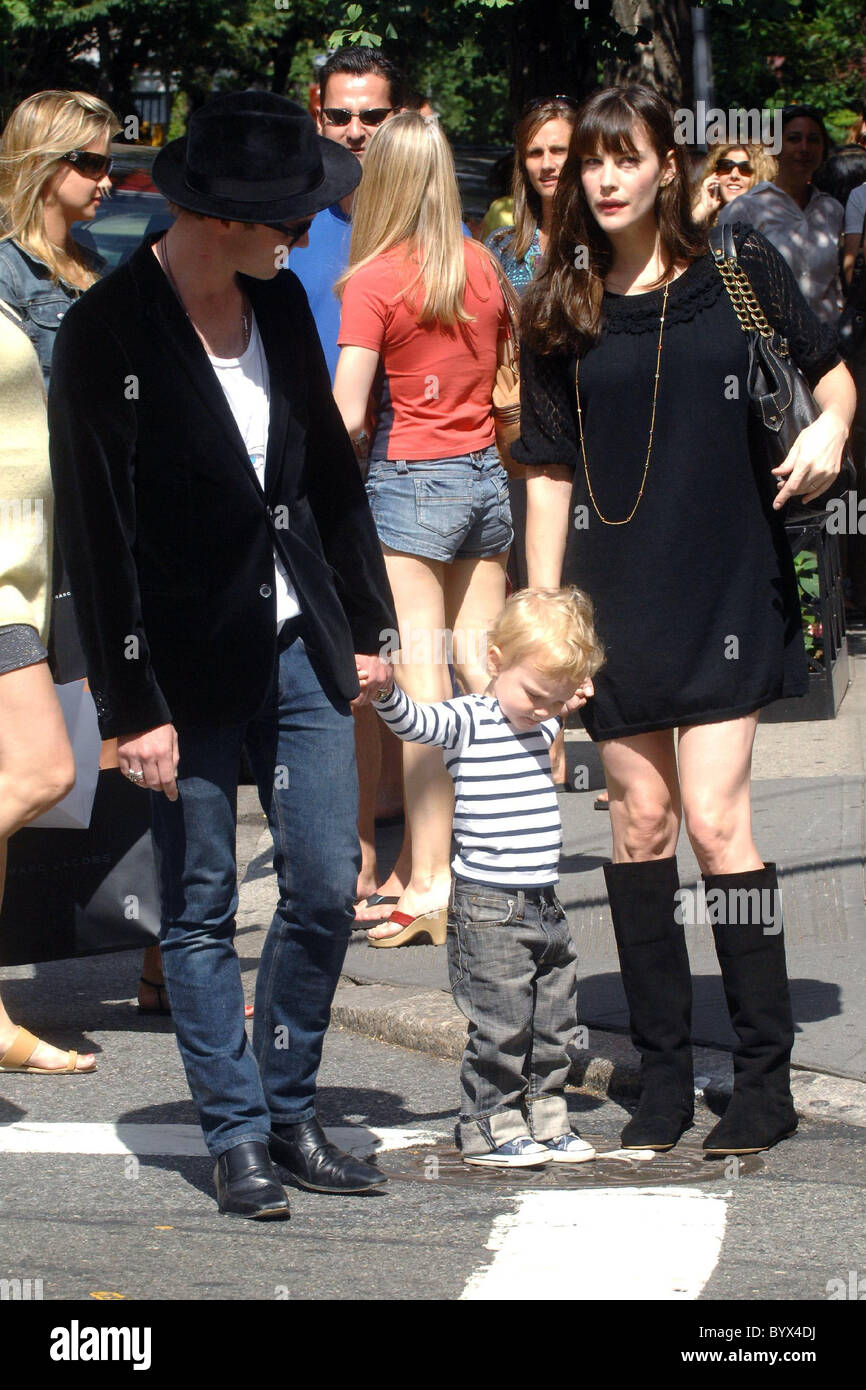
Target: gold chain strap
point(746, 307)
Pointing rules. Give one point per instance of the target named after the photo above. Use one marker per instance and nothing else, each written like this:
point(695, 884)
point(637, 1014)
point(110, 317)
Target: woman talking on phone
point(727, 172)
point(644, 493)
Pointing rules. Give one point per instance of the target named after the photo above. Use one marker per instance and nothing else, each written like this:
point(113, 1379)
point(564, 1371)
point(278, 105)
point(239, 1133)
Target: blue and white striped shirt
point(506, 816)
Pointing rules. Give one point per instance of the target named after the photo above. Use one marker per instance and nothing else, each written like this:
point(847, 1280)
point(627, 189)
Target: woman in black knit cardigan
point(648, 490)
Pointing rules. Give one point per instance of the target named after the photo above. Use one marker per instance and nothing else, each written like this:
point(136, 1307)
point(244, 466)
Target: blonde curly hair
point(762, 162)
point(553, 627)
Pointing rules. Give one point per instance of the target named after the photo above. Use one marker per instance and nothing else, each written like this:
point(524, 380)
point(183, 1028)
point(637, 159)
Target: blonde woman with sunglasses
point(54, 167)
point(54, 172)
point(36, 763)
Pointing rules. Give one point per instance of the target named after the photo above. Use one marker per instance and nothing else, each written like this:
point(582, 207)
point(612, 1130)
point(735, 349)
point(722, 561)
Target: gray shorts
point(19, 646)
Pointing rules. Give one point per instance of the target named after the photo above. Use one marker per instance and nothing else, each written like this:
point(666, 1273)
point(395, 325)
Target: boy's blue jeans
point(301, 748)
point(513, 971)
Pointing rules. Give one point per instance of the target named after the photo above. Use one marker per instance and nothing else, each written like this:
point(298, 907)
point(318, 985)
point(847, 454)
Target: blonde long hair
point(408, 197)
point(41, 130)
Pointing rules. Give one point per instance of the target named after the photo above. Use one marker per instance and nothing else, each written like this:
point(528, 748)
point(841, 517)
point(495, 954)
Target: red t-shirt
point(432, 394)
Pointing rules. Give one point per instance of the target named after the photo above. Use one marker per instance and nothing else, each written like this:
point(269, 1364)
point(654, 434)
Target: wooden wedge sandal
point(433, 925)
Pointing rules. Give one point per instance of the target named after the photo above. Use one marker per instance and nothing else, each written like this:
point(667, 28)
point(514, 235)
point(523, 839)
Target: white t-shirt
point(246, 383)
point(855, 210)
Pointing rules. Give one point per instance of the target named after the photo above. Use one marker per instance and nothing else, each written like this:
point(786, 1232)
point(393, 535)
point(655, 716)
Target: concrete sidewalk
point(810, 817)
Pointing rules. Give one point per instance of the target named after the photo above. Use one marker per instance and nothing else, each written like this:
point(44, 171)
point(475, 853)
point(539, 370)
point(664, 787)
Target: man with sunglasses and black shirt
point(230, 591)
point(359, 88)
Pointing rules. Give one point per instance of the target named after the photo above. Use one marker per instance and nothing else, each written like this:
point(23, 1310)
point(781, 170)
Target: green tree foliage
point(787, 51)
point(478, 60)
point(100, 46)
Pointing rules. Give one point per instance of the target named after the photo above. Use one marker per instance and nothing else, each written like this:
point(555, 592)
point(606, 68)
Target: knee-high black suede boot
point(747, 928)
point(658, 986)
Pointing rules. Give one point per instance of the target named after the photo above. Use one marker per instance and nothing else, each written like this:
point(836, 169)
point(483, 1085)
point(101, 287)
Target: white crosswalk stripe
point(659, 1243)
point(143, 1140)
point(616, 1243)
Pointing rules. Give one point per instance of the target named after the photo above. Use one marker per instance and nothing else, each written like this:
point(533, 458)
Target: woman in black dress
point(644, 492)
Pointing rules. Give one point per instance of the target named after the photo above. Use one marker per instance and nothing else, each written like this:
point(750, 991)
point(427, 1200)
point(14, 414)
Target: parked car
point(135, 209)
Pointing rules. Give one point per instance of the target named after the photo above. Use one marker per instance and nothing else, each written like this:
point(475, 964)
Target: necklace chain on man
point(626, 519)
point(162, 247)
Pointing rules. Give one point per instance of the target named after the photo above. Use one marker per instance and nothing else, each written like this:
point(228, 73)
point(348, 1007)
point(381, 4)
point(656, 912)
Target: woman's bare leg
point(474, 595)
point(368, 757)
point(37, 768)
point(389, 801)
point(642, 884)
point(715, 763)
point(36, 771)
point(417, 586)
point(645, 805)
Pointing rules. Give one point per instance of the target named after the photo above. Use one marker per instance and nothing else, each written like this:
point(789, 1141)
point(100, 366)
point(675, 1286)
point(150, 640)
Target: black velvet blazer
point(165, 530)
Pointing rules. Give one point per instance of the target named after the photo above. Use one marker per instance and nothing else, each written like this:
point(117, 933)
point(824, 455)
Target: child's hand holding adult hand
point(583, 693)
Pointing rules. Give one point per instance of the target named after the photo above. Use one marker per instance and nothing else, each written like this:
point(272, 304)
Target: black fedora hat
point(254, 157)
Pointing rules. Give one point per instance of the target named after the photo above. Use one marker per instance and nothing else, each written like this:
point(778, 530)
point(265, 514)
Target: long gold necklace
point(626, 519)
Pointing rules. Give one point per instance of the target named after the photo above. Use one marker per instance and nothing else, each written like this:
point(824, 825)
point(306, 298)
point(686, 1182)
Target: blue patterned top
point(519, 272)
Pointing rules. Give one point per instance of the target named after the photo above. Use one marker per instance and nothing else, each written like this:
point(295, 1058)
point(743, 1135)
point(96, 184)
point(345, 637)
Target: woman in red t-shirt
point(422, 319)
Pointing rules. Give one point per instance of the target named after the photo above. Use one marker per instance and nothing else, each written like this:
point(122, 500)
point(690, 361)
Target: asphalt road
point(113, 1222)
point(91, 1225)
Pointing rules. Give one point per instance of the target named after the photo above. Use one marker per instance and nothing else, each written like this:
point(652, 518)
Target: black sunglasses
point(537, 102)
point(292, 231)
point(91, 166)
point(727, 166)
point(338, 115)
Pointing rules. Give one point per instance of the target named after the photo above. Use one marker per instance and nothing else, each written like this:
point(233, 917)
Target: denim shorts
point(442, 509)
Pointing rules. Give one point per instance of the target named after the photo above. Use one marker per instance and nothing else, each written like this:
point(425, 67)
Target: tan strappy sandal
point(23, 1046)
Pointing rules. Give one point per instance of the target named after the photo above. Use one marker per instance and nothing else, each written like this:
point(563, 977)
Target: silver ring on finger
point(135, 775)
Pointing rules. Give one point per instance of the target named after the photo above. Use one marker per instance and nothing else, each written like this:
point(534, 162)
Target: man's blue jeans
point(301, 748)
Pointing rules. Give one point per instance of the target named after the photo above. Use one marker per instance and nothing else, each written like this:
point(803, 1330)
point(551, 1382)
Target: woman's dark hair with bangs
point(561, 308)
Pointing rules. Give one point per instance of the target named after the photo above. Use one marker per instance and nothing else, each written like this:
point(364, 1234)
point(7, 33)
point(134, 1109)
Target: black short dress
point(696, 597)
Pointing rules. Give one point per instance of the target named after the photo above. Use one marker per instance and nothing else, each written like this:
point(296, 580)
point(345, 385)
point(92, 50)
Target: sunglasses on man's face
point(292, 231)
point(338, 115)
point(91, 166)
point(727, 166)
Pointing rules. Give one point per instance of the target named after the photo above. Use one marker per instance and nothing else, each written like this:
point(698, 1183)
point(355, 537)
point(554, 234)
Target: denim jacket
point(26, 285)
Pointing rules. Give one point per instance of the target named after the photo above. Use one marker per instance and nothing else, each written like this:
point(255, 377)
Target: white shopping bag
point(79, 712)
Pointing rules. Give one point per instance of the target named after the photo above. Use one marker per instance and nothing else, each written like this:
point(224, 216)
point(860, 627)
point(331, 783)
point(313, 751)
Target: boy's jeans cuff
point(547, 1117)
point(489, 1131)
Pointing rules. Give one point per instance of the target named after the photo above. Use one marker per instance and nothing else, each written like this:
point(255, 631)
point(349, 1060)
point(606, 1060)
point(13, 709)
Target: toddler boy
point(511, 960)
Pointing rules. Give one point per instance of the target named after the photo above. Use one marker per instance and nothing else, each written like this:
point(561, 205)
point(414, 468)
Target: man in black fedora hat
point(231, 591)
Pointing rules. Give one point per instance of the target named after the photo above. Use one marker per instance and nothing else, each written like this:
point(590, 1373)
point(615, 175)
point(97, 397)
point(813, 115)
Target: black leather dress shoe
point(247, 1184)
point(316, 1164)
